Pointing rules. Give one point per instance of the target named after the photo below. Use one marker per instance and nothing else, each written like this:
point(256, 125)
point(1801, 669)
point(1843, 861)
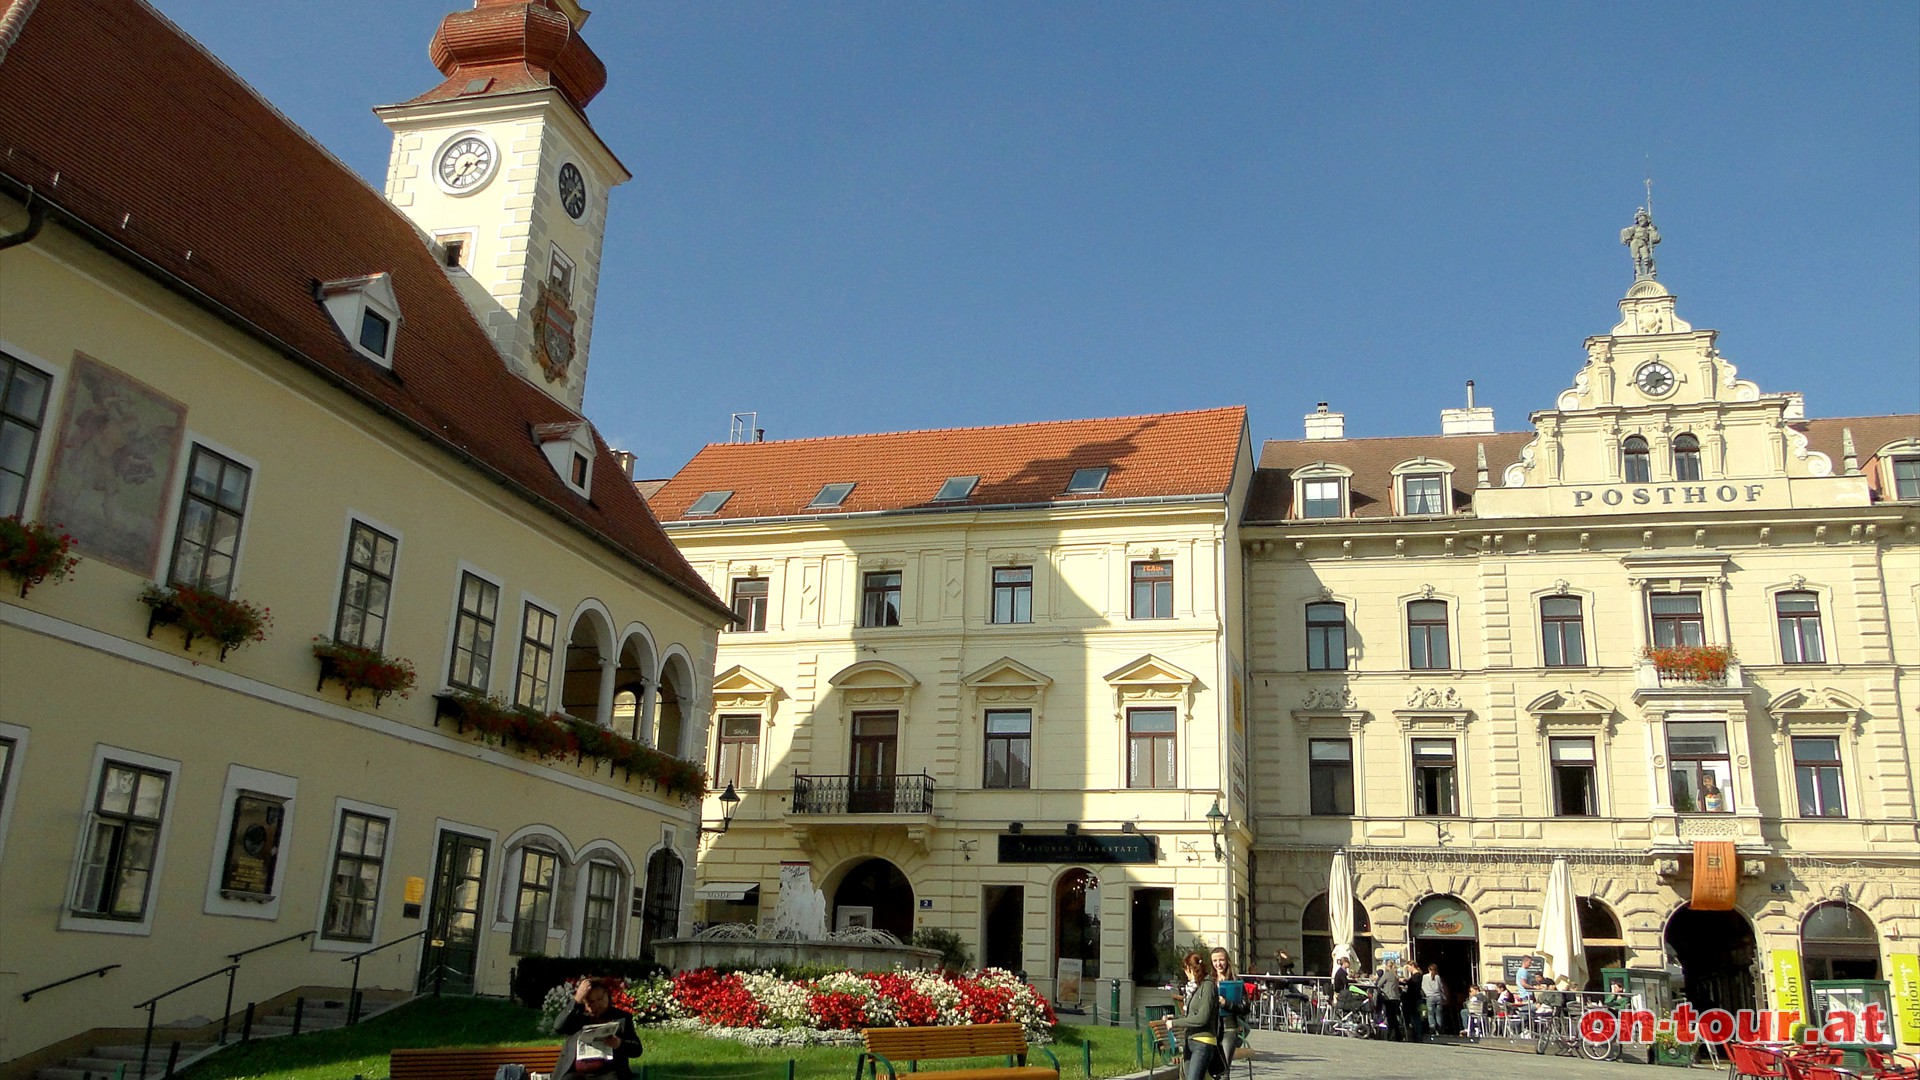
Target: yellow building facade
point(983, 682)
point(1473, 652)
point(212, 393)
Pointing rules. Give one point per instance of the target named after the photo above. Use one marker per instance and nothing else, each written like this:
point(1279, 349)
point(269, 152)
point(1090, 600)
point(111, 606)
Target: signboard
point(1445, 918)
point(1789, 992)
point(1905, 969)
point(1067, 984)
point(1078, 848)
point(416, 890)
point(1520, 970)
point(1716, 875)
point(253, 845)
point(926, 904)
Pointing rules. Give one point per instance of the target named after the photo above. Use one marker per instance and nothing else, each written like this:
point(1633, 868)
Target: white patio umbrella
point(1560, 927)
point(1340, 907)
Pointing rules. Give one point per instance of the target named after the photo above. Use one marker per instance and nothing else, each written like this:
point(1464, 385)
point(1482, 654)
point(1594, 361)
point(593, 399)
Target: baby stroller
point(1353, 1013)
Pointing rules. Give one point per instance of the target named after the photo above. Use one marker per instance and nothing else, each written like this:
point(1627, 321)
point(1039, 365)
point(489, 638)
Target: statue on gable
point(1640, 238)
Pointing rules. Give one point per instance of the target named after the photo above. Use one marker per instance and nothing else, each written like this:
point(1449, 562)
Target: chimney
point(625, 458)
point(1322, 424)
point(1467, 421)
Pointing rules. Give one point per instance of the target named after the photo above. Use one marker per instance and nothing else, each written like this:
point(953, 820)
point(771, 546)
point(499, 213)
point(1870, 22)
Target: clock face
point(1655, 379)
point(465, 164)
point(573, 190)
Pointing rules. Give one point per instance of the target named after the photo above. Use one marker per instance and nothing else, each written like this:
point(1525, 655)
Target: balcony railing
point(863, 794)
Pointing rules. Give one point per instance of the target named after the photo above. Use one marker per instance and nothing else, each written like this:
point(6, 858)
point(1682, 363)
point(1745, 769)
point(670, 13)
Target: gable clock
point(573, 190)
point(1655, 379)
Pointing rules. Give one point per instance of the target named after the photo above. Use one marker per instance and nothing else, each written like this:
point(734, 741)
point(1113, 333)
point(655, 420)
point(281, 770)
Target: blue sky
point(872, 216)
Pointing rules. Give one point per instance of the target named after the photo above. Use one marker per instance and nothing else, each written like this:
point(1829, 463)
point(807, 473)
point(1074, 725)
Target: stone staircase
point(123, 1062)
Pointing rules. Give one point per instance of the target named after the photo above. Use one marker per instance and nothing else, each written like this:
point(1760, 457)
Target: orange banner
point(1716, 875)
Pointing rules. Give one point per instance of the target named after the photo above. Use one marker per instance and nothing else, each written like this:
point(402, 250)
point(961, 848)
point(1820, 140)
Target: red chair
point(1803, 1067)
point(1755, 1061)
point(1887, 1065)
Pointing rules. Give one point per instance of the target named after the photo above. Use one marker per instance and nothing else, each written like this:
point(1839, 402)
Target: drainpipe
point(36, 220)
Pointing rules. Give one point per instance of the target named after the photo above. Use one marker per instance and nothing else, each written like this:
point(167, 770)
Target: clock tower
point(500, 167)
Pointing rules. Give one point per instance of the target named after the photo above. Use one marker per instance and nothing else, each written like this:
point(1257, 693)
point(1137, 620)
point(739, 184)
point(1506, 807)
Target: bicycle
point(1558, 1030)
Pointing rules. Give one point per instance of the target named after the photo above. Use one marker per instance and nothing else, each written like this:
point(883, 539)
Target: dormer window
point(570, 449)
point(366, 312)
point(830, 497)
point(1089, 481)
point(1320, 490)
point(956, 489)
point(1899, 471)
point(1424, 486)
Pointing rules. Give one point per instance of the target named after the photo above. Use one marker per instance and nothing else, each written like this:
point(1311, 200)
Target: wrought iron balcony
point(862, 794)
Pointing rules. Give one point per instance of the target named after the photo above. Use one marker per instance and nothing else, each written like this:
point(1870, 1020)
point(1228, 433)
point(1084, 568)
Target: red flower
point(837, 1011)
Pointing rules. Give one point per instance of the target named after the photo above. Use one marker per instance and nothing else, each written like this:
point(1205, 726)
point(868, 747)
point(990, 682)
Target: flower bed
point(557, 735)
point(766, 1009)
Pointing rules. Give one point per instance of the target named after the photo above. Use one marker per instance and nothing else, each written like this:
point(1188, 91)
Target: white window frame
point(1423, 467)
point(243, 780)
point(604, 852)
point(555, 657)
point(178, 492)
point(461, 569)
point(1322, 470)
point(349, 299)
point(1828, 639)
point(1903, 450)
point(1588, 639)
point(340, 568)
point(55, 408)
point(1460, 805)
point(10, 778)
point(341, 807)
point(1455, 662)
point(72, 920)
point(1600, 792)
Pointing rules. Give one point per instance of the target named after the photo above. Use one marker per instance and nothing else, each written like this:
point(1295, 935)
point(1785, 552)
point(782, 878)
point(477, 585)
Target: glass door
point(453, 926)
point(875, 745)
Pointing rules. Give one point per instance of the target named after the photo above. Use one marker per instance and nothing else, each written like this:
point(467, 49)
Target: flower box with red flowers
point(202, 613)
point(1705, 665)
point(557, 735)
point(31, 552)
point(356, 668)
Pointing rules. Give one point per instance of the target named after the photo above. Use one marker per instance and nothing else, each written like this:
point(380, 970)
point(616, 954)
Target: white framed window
point(121, 849)
point(560, 273)
point(362, 843)
point(366, 585)
point(1797, 616)
point(533, 678)
point(603, 892)
point(476, 610)
point(24, 393)
point(13, 750)
point(1436, 778)
point(533, 900)
point(1322, 490)
point(1575, 777)
point(367, 313)
point(737, 762)
point(248, 869)
point(207, 532)
point(1428, 635)
point(1899, 471)
point(1699, 767)
point(1424, 487)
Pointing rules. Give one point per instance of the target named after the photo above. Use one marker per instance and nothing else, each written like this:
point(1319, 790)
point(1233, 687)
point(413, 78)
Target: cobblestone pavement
point(1328, 1057)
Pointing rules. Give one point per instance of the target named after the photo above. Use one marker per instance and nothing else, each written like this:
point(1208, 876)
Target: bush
point(535, 975)
point(954, 954)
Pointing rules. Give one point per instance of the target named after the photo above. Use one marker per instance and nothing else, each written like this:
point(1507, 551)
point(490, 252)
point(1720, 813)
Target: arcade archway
point(875, 894)
point(1316, 938)
point(1715, 950)
point(1445, 933)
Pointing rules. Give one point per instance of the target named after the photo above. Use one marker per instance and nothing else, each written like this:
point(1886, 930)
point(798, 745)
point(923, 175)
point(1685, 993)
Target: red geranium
point(837, 1011)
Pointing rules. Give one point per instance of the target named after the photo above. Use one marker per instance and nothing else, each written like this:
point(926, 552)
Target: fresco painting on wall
point(113, 464)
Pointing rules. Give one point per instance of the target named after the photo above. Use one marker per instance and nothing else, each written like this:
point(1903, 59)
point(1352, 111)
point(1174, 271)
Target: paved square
point(1286, 1054)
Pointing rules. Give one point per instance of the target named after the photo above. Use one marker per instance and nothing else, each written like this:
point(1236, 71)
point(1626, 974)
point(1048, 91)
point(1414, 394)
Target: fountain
point(797, 935)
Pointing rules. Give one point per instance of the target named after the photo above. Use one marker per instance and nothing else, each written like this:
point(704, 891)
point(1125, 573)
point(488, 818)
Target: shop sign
point(1077, 848)
point(1444, 918)
point(1668, 496)
point(1716, 875)
point(1067, 987)
point(1905, 969)
point(1789, 992)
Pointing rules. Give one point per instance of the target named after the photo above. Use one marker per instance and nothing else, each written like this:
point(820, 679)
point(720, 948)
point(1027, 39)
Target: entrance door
point(875, 743)
point(1716, 951)
point(1445, 933)
point(660, 915)
point(453, 922)
point(1003, 938)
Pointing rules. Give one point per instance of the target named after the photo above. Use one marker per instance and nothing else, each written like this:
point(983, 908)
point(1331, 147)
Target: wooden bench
point(469, 1062)
point(916, 1044)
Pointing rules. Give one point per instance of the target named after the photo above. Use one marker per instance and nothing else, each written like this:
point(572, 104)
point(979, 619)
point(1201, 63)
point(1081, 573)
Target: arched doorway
point(1838, 941)
point(1600, 939)
point(660, 911)
point(1076, 922)
point(875, 894)
point(1715, 950)
point(1316, 938)
point(1446, 933)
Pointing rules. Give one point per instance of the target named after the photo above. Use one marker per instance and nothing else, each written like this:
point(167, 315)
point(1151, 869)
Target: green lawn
point(362, 1051)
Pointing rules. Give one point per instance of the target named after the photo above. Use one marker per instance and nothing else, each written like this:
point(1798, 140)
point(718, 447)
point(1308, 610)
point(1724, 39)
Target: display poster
point(253, 845)
point(1716, 875)
point(1789, 990)
point(1905, 969)
point(1067, 983)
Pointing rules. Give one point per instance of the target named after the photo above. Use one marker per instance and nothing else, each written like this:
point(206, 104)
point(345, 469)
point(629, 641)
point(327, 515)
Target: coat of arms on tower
point(553, 332)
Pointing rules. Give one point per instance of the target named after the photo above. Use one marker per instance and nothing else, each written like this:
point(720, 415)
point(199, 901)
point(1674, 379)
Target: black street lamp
point(1217, 824)
point(729, 805)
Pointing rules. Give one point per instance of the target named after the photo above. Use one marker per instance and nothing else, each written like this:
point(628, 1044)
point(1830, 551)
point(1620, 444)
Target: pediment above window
point(1572, 709)
point(1433, 708)
point(1008, 683)
point(1809, 709)
point(739, 688)
point(872, 684)
point(1330, 703)
point(1151, 680)
point(367, 313)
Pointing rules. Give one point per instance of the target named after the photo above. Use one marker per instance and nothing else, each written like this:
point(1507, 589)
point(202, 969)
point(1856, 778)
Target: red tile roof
point(1170, 454)
point(1372, 461)
point(149, 147)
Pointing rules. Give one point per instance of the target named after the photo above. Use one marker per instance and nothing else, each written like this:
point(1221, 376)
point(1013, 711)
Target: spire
point(507, 46)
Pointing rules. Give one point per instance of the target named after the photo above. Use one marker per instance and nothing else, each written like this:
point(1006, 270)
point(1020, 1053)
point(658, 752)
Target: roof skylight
point(1087, 481)
point(956, 488)
point(709, 503)
point(831, 496)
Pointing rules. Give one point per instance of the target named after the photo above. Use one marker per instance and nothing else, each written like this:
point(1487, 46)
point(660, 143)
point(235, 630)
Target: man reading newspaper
point(600, 1038)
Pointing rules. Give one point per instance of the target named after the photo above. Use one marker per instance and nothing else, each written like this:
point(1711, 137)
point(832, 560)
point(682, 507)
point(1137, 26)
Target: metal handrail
point(301, 936)
point(353, 995)
point(845, 793)
point(27, 995)
point(153, 1003)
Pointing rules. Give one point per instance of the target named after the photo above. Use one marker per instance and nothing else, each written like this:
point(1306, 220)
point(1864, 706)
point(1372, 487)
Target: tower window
point(453, 252)
point(1634, 460)
point(560, 273)
point(1686, 457)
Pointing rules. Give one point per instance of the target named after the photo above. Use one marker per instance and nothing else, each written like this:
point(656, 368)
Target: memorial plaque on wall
point(253, 845)
point(1077, 848)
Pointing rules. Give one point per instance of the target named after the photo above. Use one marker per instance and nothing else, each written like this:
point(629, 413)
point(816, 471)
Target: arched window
point(1316, 938)
point(1838, 941)
point(1634, 461)
point(1686, 458)
point(1600, 939)
point(1326, 637)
